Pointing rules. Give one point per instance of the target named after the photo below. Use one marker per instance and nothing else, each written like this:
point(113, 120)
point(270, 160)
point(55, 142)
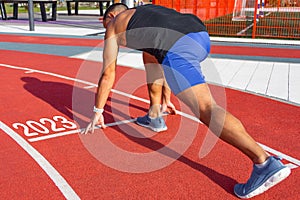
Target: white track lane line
point(282, 155)
point(77, 131)
point(58, 180)
point(270, 150)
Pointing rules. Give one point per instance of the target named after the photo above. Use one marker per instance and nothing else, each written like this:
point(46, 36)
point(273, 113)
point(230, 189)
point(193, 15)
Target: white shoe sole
point(272, 181)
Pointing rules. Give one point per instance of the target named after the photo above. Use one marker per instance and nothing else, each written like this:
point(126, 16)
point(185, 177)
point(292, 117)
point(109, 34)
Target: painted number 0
point(33, 128)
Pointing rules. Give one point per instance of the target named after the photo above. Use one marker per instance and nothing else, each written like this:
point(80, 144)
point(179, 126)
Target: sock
point(154, 111)
point(261, 165)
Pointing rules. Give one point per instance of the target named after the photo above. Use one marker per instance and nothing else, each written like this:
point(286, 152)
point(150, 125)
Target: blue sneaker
point(263, 178)
point(156, 124)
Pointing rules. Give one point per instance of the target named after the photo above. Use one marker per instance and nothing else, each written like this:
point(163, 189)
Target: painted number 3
point(57, 124)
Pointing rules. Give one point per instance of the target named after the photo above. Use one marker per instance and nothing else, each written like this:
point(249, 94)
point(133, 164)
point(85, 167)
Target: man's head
point(113, 11)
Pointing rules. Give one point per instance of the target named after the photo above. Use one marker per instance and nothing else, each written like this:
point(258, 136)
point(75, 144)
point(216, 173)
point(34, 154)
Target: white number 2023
point(33, 128)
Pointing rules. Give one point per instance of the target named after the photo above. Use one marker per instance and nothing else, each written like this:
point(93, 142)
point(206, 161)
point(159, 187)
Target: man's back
point(154, 29)
point(162, 17)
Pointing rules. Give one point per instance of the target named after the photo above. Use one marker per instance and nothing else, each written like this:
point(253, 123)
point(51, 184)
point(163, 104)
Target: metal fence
point(244, 18)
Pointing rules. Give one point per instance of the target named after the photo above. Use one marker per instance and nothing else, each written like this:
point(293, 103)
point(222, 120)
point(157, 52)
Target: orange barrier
point(257, 19)
point(204, 9)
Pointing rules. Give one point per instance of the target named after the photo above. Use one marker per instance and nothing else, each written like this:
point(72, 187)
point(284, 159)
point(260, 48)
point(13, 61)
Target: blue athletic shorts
point(182, 63)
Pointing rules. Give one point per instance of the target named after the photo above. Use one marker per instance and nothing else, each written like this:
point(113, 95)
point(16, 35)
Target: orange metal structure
point(279, 18)
point(204, 9)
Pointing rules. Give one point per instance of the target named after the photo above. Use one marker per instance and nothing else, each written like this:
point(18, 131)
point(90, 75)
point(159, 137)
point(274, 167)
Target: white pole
point(129, 3)
point(262, 8)
point(258, 9)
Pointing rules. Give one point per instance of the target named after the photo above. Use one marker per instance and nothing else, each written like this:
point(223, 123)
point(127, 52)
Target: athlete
point(178, 43)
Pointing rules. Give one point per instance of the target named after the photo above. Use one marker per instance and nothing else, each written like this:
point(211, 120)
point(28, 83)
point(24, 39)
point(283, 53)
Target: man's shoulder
point(126, 14)
point(123, 18)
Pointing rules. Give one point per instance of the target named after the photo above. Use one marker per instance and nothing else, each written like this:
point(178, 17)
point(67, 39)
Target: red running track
point(65, 164)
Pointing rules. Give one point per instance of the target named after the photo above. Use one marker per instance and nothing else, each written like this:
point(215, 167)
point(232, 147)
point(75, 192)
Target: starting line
point(77, 131)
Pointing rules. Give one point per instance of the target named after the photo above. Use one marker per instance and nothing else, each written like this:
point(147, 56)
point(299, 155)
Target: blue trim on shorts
point(182, 63)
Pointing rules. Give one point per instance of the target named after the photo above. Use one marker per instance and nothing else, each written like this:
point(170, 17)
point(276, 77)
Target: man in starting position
point(178, 43)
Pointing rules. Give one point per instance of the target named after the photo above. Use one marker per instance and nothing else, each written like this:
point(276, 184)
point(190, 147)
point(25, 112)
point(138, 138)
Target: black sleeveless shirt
point(154, 29)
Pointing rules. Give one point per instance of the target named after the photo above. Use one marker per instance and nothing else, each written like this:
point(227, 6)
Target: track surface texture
point(47, 98)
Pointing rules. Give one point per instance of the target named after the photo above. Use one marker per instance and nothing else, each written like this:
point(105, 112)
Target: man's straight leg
point(221, 122)
point(267, 170)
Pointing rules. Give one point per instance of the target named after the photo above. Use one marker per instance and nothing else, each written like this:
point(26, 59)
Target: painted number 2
point(33, 128)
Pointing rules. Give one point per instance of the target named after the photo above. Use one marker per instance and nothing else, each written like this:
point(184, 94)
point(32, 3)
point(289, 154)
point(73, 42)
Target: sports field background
point(279, 20)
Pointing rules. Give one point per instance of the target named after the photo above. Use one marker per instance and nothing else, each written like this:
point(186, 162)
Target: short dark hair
point(115, 7)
